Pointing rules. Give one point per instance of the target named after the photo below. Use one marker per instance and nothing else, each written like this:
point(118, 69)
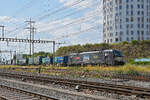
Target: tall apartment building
point(126, 20)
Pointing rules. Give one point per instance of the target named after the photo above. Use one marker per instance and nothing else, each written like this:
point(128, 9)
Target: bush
point(131, 61)
point(134, 42)
point(135, 49)
point(142, 63)
point(125, 42)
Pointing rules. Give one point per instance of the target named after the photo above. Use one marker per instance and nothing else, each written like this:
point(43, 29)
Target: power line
point(21, 10)
point(76, 33)
point(52, 12)
point(87, 19)
point(25, 7)
point(57, 6)
point(72, 21)
point(60, 9)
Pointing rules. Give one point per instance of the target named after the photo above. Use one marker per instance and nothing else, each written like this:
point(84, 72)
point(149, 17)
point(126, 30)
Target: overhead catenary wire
point(73, 22)
point(21, 10)
point(52, 12)
point(76, 33)
point(46, 11)
point(25, 7)
point(60, 9)
point(71, 34)
point(81, 20)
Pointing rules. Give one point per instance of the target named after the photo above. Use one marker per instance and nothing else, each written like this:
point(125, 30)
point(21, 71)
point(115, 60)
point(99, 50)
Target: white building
point(126, 20)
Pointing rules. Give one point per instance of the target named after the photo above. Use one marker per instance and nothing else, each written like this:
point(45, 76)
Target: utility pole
point(34, 30)
point(2, 30)
point(31, 28)
point(54, 43)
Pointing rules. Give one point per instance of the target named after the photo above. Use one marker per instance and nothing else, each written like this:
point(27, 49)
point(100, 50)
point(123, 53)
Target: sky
point(67, 21)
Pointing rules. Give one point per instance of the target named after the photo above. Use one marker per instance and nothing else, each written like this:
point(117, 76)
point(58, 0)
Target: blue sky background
point(52, 17)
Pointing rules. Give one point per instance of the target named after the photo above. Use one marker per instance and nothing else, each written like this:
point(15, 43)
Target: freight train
point(104, 57)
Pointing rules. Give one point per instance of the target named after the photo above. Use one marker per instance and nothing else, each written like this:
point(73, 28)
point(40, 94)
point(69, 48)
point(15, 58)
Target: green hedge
point(135, 49)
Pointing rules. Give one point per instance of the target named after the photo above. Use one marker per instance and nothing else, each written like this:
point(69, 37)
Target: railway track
point(10, 93)
point(111, 88)
point(141, 77)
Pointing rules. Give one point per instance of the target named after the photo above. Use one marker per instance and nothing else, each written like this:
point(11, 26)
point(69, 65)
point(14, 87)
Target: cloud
point(79, 4)
point(6, 19)
point(52, 30)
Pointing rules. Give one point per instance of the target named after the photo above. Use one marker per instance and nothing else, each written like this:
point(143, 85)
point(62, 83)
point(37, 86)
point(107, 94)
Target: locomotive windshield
point(118, 53)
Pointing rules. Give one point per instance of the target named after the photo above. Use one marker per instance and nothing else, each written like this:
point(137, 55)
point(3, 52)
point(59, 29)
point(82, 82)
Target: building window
point(132, 6)
point(138, 13)
point(120, 39)
point(120, 7)
point(116, 1)
point(127, 32)
point(142, 19)
point(120, 13)
point(131, 13)
point(142, 6)
point(120, 20)
point(142, 12)
point(138, 25)
point(147, 26)
point(132, 38)
point(138, 19)
point(132, 32)
point(142, 25)
point(116, 33)
point(131, 25)
point(127, 19)
point(127, 39)
point(127, 13)
point(138, 6)
point(120, 1)
point(138, 32)
point(142, 32)
point(121, 33)
point(127, 25)
point(127, 6)
point(110, 40)
point(120, 26)
point(132, 19)
point(116, 39)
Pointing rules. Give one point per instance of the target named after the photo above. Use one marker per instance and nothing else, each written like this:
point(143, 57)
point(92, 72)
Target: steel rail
point(113, 88)
point(37, 95)
point(113, 76)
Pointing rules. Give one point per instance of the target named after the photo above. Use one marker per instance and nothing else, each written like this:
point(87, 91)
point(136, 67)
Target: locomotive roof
point(85, 52)
point(90, 52)
point(110, 50)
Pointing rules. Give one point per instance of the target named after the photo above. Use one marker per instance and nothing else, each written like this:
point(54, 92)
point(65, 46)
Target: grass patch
point(91, 71)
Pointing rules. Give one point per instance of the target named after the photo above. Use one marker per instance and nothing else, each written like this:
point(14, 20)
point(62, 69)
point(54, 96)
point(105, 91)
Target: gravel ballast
point(97, 93)
point(53, 92)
